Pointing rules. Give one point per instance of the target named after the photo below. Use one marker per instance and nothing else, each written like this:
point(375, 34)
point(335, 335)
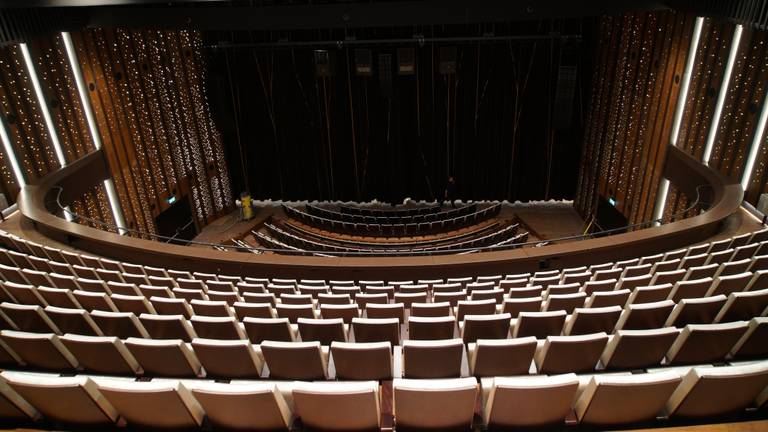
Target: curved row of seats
point(600, 400)
point(390, 211)
point(392, 230)
point(339, 216)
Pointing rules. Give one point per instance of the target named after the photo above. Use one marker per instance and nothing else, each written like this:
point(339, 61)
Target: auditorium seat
point(376, 330)
point(77, 321)
point(436, 309)
point(637, 349)
point(135, 304)
point(508, 284)
point(294, 312)
point(252, 406)
point(488, 326)
point(128, 289)
point(452, 298)
point(576, 277)
point(528, 402)
point(733, 267)
point(565, 302)
point(294, 299)
point(690, 288)
point(695, 311)
point(324, 331)
point(228, 358)
point(211, 308)
point(150, 291)
point(705, 343)
point(36, 277)
point(102, 354)
point(335, 299)
point(514, 306)
point(439, 404)
point(474, 307)
point(701, 272)
point(538, 324)
point(560, 289)
point(609, 400)
point(650, 294)
point(630, 283)
point(362, 361)
point(189, 294)
point(389, 291)
point(431, 328)
point(758, 282)
point(726, 285)
point(120, 324)
point(600, 299)
point(153, 405)
point(497, 295)
point(11, 273)
point(525, 292)
point(253, 310)
point(364, 299)
point(171, 357)
point(72, 401)
point(245, 287)
point(432, 358)
point(752, 343)
point(606, 274)
point(171, 306)
point(274, 329)
point(40, 350)
point(501, 357)
point(92, 301)
point(295, 360)
point(167, 327)
point(29, 318)
point(564, 354)
point(59, 297)
point(338, 406)
point(228, 297)
point(217, 327)
point(388, 310)
point(344, 311)
point(743, 306)
point(13, 407)
point(710, 392)
point(668, 277)
point(645, 315)
point(24, 294)
point(592, 320)
point(665, 265)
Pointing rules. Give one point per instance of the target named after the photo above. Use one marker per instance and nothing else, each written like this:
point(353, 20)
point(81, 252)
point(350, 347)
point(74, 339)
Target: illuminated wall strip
point(43, 104)
point(109, 185)
point(682, 97)
point(757, 141)
point(721, 96)
point(10, 154)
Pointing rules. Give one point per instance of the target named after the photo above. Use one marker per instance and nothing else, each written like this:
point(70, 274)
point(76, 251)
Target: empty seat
point(514, 306)
point(324, 331)
point(592, 320)
point(135, 304)
point(120, 324)
point(294, 312)
point(376, 330)
point(637, 349)
point(752, 343)
point(650, 294)
point(431, 328)
point(435, 404)
point(363, 300)
point(29, 318)
point(168, 327)
point(296, 360)
point(217, 327)
point(499, 357)
point(170, 357)
point(733, 267)
point(72, 401)
point(389, 310)
point(171, 306)
point(529, 402)
point(695, 311)
point(707, 392)
point(362, 361)
point(576, 277)
point(92, 301)
point(705, 343)
point(630, 283)
point(452, 298)
point(129, 289)
point(253, 310)
point(538, 324)
point(189, 294)
point(565, 302)
point(758, 282)
point(645, 315)
point(494, 294)
point(690, 289)
point(293, 299)
point(228, 358)
point(153, 405)
point(610, 298)
point(440, 309)
point(726, 285)
point(564, 354)
point(76, 321)
point(40, 350)
point(743, 306)
point(406, 299)
point(668, 277)
point(702, 272)
point(256, 405)
point(477, 327)
point(274, 329)
point(475, 307)
point(24, 294)
point(102, 354)
point(339, 406)
point(211, 308)
point(612, 400)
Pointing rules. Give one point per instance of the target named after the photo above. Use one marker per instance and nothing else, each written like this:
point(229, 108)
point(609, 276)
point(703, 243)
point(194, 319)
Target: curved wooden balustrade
point(682, 170)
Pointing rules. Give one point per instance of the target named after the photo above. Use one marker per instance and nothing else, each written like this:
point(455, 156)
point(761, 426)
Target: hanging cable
point(326, 100)
point(236, 115)
point(352, 126)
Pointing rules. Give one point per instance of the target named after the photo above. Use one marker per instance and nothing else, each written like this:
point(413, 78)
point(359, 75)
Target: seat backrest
point(690, 288)
point(650, 294)
point(637, 349)
point(217, 327)
point(726, 285)
point(168, 327)
point(76, 321)
point(645, 315)
point(153, 405)
point(592, 320)
point(752, 343)
point(432, 358)
point(171, 306)
point(707, 392)
point(211, 308)
point(362, 361)
point(389, 310)
point(614, 400)
point(485, 327)
point(705, 343)
point(120, 324)
point(66, 400)
point(338, 405)
point(30, 318)
point(501, 357)
point(605, 299)
point(695, 311)
point(376, 330)
point(530, 402)
point(743, 306)
point(431, 328)
point(168, 357)
point(275, 329)
point(539, 324)
point(324, 331)
point(40, 350)
point(295, 360)
point(256, 405)
point(475, 307)
point(564, 302)
point(228, 358)
point(294, 312)
point(102, 354)
point(435, 404)
point(564, 354)
point(439, 309)
point(514, 306)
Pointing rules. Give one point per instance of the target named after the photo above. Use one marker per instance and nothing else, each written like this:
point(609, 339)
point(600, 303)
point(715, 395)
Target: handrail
point(76, 178)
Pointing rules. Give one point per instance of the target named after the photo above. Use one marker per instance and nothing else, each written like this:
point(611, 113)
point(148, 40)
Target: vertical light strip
point(10, 154)
point(721, 96)
point(757, 142)
point(109, 185)
point(43, 104)
point(682, 97)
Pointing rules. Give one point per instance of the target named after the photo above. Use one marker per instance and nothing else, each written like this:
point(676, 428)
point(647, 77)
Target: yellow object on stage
point(245, 198)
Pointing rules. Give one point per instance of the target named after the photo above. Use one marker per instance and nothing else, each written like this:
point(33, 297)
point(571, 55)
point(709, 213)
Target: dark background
point(288, 133)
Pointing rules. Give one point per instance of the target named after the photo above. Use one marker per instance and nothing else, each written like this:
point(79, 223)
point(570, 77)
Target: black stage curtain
point(492, 124)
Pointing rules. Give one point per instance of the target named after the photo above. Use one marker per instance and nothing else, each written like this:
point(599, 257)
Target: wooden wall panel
point(631, 109)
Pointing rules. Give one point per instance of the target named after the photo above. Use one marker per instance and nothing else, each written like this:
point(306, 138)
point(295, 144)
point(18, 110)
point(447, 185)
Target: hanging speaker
point(363, 62)
point(385, 74)
point(447, 60)
point(406, 61)
point(322, 63)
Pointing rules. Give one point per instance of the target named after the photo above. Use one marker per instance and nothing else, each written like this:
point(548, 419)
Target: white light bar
point(114, 205)
point(682, 97)
point(75, 66)
point(710, 143)
point(10, 154)
point(43, 105)
point(757, 142)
